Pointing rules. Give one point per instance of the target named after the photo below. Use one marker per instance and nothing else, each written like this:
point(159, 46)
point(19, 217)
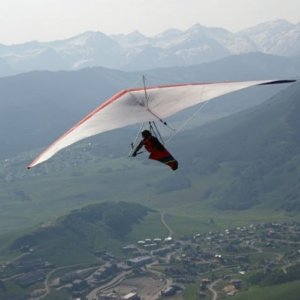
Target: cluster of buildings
point(150, 246)
point(193, 259)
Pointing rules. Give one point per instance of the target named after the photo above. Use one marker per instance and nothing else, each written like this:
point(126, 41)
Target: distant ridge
point(134, 51)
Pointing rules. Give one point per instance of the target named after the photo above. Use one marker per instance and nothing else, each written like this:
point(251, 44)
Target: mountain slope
point(79, 235)
point(258, 154)
point(278, 37)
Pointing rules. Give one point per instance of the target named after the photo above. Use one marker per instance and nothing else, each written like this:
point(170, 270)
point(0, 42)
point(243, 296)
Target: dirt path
point(213, 291)
point(163, 221)
point(114, 282)
point(47, 287)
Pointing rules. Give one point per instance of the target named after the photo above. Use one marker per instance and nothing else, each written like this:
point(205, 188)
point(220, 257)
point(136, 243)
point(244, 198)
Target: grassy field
point(35, 198)
point(150, 227)
point(57, 295)
point(54, 196)
point(41, 199)
point(290, 291)
point(191, 292)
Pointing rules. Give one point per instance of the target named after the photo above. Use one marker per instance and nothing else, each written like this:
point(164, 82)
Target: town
point(215, 264)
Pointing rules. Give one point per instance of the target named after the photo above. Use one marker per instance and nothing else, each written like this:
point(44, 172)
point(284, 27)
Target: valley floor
point(211, 265)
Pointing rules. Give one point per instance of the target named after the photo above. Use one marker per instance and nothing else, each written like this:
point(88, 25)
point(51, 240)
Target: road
point(47, 279)
point(163, 221)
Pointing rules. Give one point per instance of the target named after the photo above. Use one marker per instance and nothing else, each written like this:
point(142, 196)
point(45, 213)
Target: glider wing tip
point(279, 81)
point(30, 166)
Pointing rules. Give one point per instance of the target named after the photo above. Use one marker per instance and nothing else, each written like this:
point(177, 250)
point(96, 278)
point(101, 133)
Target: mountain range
point(135, 51)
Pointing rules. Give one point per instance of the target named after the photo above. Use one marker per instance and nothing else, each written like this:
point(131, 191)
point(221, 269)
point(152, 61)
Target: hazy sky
point(44, 20)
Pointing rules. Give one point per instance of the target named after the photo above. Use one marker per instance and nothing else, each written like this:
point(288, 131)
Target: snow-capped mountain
point(279, 37)
point(135, 51)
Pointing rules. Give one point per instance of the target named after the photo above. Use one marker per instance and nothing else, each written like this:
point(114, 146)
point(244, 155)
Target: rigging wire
point(180, 129)
point(133, 144)
point(147, 105)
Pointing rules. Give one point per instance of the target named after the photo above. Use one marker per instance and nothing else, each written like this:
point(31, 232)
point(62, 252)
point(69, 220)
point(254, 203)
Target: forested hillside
point(78, 236)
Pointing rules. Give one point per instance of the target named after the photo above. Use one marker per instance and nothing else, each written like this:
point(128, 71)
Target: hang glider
point(140, 105)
